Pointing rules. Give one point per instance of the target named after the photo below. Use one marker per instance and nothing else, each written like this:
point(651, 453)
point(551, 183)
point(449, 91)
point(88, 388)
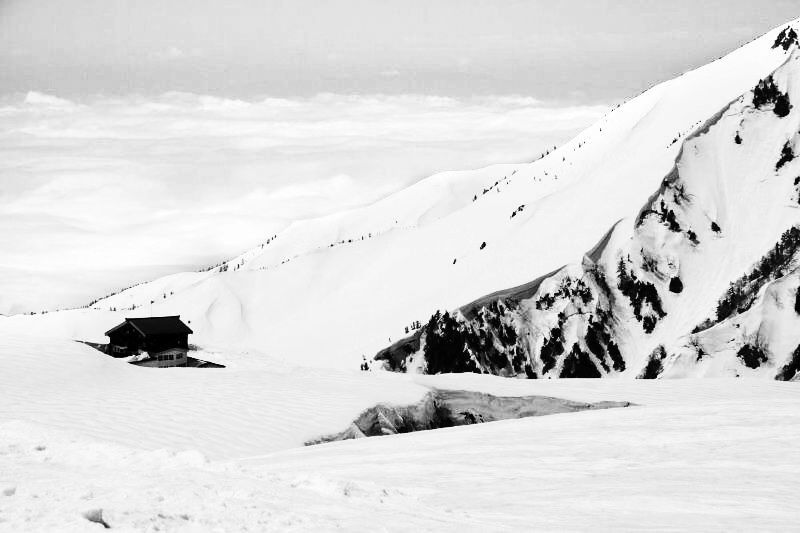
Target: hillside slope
point(329, 291)
point(702, 282)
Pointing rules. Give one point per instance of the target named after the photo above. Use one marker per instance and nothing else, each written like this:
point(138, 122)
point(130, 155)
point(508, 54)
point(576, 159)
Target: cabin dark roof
point(156, 325)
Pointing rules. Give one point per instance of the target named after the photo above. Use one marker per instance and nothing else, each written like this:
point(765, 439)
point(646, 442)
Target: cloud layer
point(581, 50)
point(100, 193)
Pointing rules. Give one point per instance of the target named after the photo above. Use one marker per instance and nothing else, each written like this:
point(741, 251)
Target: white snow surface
point(254, 405)
point(300, 299)
point(218, 450)
point(85, 438)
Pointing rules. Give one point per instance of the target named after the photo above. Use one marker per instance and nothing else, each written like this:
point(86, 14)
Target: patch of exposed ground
point(448, 408)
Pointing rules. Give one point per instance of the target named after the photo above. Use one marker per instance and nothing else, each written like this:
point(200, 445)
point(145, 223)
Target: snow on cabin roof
point(155, 325)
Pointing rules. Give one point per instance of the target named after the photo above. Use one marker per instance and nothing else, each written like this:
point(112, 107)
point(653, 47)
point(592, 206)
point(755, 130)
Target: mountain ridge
point(332, 290)
point(477, 338)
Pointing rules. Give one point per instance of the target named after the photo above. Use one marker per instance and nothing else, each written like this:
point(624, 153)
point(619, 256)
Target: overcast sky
point(580, 49)
point(142, 137)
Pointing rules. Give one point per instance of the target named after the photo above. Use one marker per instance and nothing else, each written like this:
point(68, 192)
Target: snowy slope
point(661, 242)
point(659, 292)
point(253, 406)
point(328, 291)
point(701, 455)
point(83, 436)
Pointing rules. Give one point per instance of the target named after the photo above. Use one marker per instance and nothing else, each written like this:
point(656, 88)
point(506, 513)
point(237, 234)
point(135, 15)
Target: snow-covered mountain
point(702, 281)
point(660, 242)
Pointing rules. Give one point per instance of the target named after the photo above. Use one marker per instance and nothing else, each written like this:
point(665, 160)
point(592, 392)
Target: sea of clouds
point(100, 193)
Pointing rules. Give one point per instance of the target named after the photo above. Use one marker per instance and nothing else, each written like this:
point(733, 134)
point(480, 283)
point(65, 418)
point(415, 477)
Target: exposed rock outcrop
point(448, 408)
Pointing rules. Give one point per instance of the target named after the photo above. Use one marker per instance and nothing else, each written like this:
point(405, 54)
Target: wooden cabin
point(165, 340)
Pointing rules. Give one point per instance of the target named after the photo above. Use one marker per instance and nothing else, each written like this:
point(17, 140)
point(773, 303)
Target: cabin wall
point(125, 337)
point(163, 350)
point(167, 358)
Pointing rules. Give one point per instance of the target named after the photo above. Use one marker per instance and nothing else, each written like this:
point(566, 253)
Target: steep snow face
point(720, 237)
point(730, 199)
point(763, 340)
point(329, 291)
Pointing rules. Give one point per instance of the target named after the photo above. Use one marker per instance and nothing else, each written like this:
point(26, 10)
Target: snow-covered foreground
point(220, 450)
point(255, 405)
